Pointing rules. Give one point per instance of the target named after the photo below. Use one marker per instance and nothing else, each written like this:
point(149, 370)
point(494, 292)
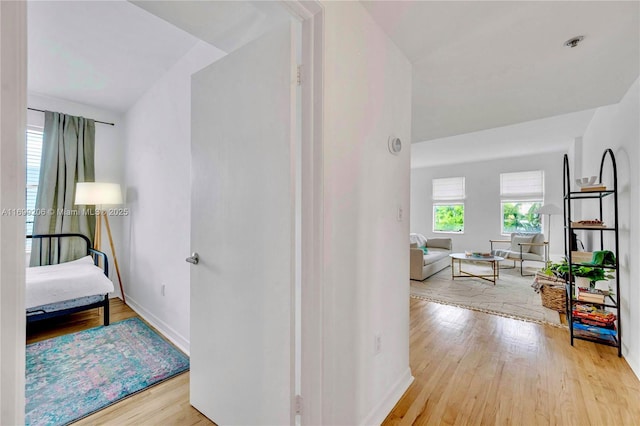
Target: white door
point(242, 227)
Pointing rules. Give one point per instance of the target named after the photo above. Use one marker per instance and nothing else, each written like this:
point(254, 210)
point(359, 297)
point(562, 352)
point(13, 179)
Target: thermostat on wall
point(395, 145)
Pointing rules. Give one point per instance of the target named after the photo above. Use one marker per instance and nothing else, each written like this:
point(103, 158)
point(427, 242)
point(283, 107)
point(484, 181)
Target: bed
point(64, 288)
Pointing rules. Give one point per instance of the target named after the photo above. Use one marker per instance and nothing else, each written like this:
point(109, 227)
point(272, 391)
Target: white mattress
point(70, 280)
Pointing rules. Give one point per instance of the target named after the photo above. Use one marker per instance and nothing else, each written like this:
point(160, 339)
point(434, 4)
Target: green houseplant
point(591, 273)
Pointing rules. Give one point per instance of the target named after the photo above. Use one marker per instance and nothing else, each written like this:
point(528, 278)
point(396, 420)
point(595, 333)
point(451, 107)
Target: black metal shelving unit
point(608, 196)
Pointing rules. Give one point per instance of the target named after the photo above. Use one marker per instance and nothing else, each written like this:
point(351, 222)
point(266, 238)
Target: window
point(448, 205)
point(521, 196)
point(34, 154)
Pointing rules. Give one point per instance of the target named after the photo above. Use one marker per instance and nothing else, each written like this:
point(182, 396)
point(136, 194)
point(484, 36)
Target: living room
point(480, 155)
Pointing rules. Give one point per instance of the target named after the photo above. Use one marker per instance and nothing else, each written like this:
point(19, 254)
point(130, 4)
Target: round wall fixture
point(573, 42)
point(395, 145)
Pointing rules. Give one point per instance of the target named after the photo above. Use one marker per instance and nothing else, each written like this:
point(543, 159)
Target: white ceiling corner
point(482, 64)
point(109, 53)
point(224, 24)
point(100, 53)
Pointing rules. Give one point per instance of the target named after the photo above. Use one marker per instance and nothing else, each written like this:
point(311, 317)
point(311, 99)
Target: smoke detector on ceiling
point(573, 42)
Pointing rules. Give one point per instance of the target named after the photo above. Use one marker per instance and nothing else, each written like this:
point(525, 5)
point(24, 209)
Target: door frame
point(13, 113)
point(311, 14)
point(13, 77)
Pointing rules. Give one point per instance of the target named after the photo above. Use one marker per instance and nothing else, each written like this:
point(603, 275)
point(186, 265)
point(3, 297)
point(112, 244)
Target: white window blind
point(34, 155)
point(522, 185)
point(448, 189)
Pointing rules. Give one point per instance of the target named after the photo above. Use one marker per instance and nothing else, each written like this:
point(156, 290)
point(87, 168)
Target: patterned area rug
point(512, 296)
point(72, 376)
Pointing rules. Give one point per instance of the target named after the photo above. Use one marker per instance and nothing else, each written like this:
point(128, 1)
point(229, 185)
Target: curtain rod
point(97, 121)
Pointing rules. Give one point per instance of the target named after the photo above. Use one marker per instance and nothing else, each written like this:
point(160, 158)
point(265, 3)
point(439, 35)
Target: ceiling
point(476, 65)
point(480, 65)
point(224, 24)
point(108, 53)
point(552, 134)
point(99, 53)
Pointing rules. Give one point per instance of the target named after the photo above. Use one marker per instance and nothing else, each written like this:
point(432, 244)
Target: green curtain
point(68, 152)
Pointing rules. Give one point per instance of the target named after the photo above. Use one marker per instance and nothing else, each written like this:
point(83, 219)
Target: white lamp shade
point(98, 193)
point(550, 209)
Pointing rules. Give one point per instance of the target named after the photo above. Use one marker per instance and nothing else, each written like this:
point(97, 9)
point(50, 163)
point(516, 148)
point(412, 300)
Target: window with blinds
point(448, 204)
point(34, 155)
point(521, 196)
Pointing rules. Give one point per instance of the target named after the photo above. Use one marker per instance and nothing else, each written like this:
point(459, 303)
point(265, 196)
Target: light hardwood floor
point(472, 368)
point(469, 368)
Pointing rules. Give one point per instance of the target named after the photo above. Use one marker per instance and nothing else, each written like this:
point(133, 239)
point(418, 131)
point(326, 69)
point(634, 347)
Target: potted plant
point(590, 274)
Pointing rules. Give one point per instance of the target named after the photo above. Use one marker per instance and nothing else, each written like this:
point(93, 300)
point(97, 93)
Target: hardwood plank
point(473, 368)
point(470, 368)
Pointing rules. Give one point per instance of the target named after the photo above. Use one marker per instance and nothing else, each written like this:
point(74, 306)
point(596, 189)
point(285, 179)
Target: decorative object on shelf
point(589, 184)
point(603, 257)
point(586, 181)
point(582, 257)
point(593, 312)
point(596, 223)
point(101, 194)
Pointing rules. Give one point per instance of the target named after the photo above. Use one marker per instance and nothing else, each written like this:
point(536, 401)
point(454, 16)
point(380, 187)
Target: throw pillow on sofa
point(418, 239)
point(516, 240)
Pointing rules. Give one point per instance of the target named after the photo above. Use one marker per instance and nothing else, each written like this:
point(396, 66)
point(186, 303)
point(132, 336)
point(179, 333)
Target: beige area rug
point(512, 296)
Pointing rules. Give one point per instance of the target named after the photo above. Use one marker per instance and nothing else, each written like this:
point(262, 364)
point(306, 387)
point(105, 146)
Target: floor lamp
point(101, 194)
point(549, 209)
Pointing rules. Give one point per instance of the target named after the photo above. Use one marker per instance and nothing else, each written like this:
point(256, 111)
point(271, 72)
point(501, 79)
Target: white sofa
point(435, 260)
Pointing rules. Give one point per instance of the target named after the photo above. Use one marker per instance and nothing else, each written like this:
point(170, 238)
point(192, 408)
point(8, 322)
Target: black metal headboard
point(95, 254)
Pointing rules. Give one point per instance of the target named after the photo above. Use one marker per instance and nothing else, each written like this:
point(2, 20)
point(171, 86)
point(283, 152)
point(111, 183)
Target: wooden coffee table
point(460, 257)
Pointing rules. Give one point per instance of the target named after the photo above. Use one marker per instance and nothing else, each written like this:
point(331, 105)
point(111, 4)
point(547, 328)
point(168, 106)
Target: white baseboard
point(631, 361)
point(382, 410)
point(161, 326)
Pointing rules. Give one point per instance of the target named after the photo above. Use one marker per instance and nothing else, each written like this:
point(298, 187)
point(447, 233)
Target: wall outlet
point(377, 344)
point(400, 214)
point(162, 288)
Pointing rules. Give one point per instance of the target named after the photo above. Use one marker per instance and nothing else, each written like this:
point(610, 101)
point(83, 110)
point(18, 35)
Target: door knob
point(194, 258)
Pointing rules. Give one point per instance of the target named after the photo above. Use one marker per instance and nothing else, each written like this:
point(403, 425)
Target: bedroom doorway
point(17, 31)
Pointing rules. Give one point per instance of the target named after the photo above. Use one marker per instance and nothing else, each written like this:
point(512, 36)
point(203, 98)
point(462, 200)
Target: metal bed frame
point(51, 259)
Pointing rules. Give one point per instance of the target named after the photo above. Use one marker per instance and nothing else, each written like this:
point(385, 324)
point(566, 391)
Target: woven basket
point(553, 292)
point(554, 297)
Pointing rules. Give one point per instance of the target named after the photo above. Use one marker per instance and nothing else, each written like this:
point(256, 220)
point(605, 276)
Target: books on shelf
point(588, 224)
point(594, 323)
point(590, 334)
point(594, 329)
point(593, 188)
point(592, 295)
point(593, 315)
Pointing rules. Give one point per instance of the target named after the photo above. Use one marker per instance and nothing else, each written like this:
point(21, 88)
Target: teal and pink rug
point(72, 376)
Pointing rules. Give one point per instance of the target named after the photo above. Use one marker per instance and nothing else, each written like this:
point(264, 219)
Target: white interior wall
point(109, 152)
point(482, 204)
point(367, 89)
point(158, 181)
point(618, 127)
point(13, 93)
